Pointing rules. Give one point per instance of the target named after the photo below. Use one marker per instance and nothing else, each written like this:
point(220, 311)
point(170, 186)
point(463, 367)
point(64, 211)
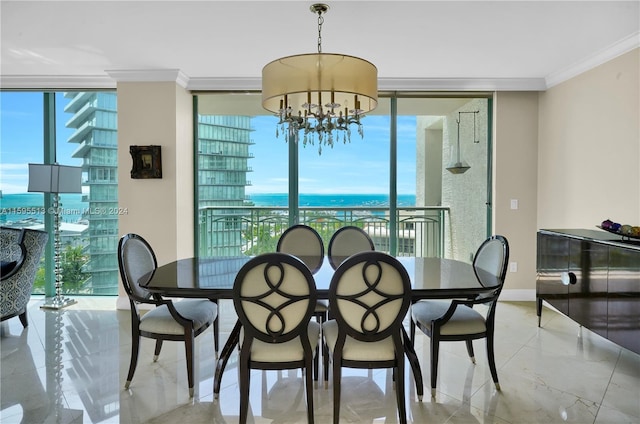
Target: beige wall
point(569, 156)
point(160, 210)
point(514, 178)
point(589, 147)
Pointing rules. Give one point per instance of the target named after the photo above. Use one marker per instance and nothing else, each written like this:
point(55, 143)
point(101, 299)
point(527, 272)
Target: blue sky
point(361, 166)
point(21, 137)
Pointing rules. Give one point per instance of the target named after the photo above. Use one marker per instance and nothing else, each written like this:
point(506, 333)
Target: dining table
point(213, 278)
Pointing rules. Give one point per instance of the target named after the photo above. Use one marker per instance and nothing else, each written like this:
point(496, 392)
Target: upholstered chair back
point(369, 295)
point(304, 243)
point(347, 241)
point(136, 259)
point(25, 247)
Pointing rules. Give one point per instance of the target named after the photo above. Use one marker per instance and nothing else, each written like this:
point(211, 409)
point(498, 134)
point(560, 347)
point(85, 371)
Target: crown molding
point(150, 75)
point(225, 84)
point(390, 84)
point(56, 82)
point(619, 48)
point(53, 82)
point(92, 82)
point(461, 84)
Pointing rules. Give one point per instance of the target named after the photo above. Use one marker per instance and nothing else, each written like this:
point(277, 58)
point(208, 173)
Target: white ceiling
point(224, 44)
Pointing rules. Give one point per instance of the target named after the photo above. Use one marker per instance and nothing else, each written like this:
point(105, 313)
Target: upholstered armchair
point(20, 253)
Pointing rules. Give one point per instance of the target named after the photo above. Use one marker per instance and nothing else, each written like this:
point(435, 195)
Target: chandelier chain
point(320, 22)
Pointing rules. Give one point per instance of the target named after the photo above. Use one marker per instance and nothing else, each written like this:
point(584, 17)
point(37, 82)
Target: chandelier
point(319, 94)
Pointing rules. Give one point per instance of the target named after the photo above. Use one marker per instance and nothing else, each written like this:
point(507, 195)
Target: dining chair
point(181, 320)
point(457, 320)
point(369, 296)
point(345, 242)
point(274, 295)
point(304, 242)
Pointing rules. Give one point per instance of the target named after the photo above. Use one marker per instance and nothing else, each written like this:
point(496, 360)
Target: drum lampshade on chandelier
point(320, 94)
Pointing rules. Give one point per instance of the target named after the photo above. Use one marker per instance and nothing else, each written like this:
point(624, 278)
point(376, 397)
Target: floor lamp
point(55, 179)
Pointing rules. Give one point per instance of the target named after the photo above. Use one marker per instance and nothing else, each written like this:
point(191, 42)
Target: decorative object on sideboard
point(55, 179)
point(624, 230)
point(321, 94)
point(147, 162)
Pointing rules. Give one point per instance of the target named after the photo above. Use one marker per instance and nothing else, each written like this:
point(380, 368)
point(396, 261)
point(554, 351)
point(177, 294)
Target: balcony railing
point(251, 230)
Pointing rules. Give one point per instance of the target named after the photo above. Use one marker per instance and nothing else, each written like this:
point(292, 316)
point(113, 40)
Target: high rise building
point(95, 122)
point(222, 168)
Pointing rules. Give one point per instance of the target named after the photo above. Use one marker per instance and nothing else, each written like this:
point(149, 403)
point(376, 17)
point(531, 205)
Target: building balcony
point(415, 231)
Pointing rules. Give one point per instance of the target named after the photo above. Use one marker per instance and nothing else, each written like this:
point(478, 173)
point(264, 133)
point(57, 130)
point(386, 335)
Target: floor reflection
point(69, 366)
point(41, 399)
point(363, 400)
point(32, 401)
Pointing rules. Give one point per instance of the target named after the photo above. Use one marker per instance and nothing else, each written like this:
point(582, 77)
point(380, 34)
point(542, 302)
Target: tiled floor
point(70, 367)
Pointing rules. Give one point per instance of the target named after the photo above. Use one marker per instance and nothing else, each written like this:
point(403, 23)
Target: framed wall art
point(147, 162)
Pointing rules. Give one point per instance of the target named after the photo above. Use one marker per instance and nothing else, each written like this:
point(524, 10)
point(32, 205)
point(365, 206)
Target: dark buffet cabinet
point(593, 277)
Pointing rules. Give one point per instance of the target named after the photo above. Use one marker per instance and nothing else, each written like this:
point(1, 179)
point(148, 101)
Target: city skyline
point(22, 140)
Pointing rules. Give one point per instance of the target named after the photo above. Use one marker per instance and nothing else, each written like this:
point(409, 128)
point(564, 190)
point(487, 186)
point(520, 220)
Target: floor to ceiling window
point(70, 128)
point(393, 182)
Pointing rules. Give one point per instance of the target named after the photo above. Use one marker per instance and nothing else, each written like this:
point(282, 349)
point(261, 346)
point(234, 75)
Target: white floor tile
point(70, 367)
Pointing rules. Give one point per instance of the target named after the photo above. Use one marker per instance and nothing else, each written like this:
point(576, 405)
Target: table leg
point(413, 361)
point(227, 350)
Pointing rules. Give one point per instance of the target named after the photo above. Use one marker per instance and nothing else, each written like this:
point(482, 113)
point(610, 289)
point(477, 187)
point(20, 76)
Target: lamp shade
point(55, 178)
point(319, 78)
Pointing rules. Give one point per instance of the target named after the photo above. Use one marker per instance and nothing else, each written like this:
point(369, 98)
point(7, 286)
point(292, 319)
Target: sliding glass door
point(70, 128)
point(392, 182)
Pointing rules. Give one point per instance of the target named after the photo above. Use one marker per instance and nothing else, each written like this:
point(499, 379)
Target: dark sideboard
point(593, 277)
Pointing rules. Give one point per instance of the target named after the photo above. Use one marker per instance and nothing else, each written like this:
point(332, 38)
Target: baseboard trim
point(518, 295)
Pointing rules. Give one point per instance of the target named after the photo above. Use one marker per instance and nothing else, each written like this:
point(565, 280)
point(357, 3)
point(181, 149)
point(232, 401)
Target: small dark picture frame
point(147, 162)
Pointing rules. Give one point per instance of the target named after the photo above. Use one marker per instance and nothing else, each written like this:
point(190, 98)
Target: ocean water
point(18, 207)
point(332, 200)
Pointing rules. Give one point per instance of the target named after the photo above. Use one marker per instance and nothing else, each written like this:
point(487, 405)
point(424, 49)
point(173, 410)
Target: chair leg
point(244, 383)
point(399, 382)
point(316, 359)
point(135, 349)
point(23, 319)
point(189, 353)
point(156, 352)
point(337, 376)
point(325, 363)
point(469, 344)
point(492, 360)
point(435, 347)
point(309, 384)
point(409, 350)
point(321, 318)
point(216, 335)
point(412, 329)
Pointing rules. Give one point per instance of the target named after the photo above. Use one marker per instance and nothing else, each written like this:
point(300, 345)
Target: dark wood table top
point(213, 278)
